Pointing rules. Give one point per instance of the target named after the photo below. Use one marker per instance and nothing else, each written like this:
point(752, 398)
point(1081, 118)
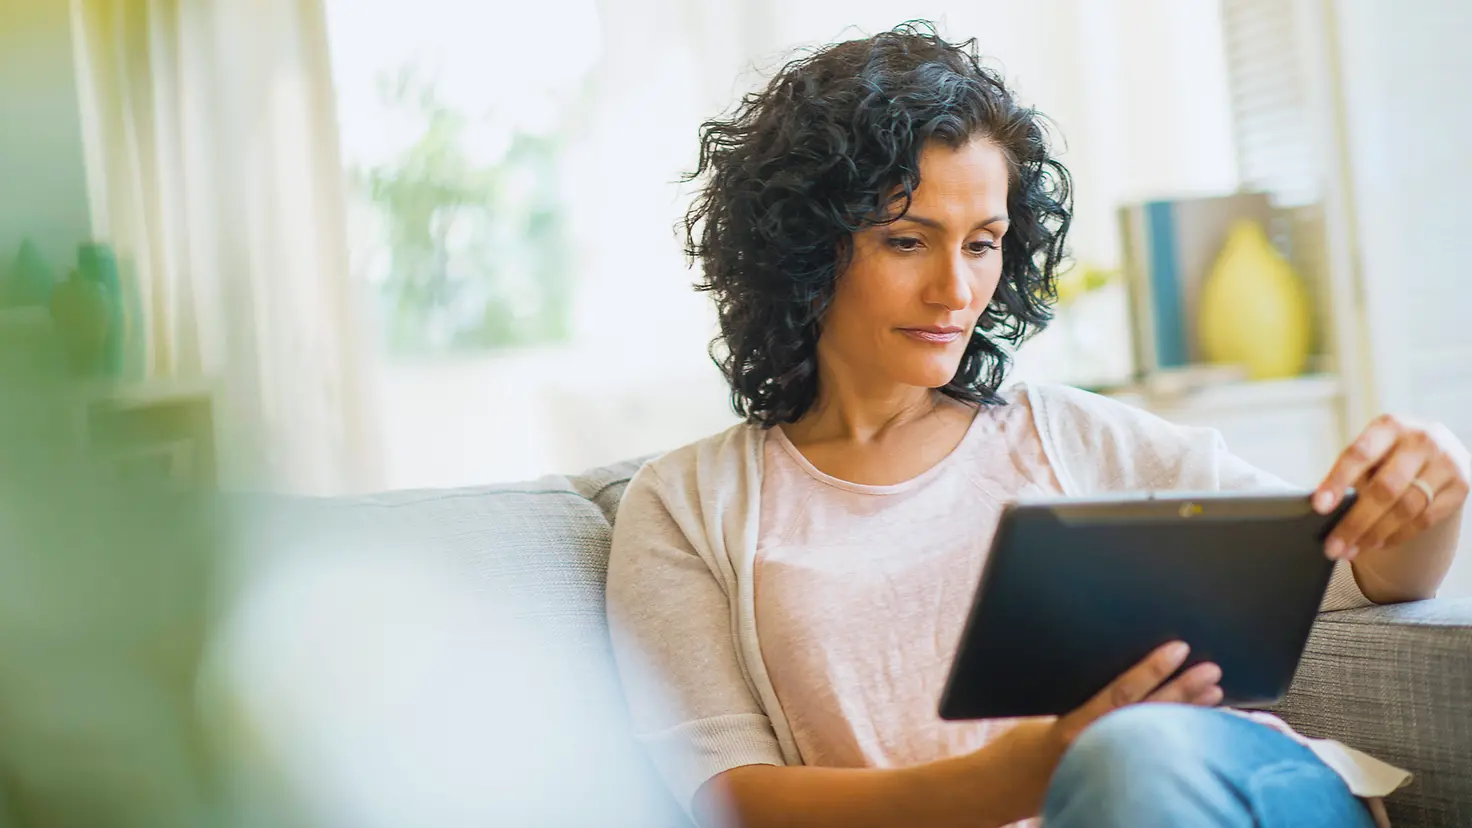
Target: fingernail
point(1212, 673)
point(1334, 548)
point(1324, 501)
point(1351, 552)
point(1178, 650)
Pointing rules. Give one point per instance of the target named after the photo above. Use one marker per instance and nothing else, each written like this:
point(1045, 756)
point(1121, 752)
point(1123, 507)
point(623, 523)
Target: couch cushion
point(542, 542)
point(605, 486)
point(538, 553)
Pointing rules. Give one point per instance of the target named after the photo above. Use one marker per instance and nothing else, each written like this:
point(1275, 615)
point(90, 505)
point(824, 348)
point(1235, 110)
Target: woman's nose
point(950, 284)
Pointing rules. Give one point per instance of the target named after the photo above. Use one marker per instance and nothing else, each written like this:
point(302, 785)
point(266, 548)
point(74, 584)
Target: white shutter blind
point(1270, 117)
point(1273, 131)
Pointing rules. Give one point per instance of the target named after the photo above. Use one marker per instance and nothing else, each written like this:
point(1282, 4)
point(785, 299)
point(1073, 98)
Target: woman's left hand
point(1409, 476)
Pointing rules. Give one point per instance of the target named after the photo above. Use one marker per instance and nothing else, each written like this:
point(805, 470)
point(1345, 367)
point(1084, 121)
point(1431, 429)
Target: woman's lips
point(932, 336)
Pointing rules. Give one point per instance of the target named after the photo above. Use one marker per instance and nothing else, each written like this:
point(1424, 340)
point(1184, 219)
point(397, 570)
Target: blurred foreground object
point(104, 607)
point(400, 660)
point(367, 672)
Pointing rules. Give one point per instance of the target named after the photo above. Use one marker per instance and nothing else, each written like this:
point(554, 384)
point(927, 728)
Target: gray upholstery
point(544, 542)
point(1396, 681)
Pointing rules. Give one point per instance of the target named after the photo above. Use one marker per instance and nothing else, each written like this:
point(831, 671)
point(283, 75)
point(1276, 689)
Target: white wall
point(43, 183)
point(1403, 71)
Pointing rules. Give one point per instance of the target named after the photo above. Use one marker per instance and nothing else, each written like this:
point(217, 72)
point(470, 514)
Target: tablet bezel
point(1182, 521)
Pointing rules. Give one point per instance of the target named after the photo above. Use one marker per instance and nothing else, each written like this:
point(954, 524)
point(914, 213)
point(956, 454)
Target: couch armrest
point(1396, 682)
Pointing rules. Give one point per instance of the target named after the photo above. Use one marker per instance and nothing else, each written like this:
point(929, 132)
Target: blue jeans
point(1164, 765)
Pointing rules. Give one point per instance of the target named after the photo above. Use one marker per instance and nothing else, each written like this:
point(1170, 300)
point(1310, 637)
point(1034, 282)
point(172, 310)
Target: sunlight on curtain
point(146, 182)
point(213, 168)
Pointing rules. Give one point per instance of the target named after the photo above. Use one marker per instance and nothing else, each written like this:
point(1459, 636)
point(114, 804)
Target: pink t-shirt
point(859, 614)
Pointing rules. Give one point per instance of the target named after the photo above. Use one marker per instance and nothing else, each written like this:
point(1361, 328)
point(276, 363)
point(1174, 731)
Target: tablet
point(1075, 592)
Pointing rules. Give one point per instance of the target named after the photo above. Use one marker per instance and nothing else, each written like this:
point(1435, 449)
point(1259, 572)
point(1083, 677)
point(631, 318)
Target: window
point(453, 120)
point(512, 179)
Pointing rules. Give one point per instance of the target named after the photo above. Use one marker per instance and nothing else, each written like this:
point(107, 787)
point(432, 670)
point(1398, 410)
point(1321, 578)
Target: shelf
point(1312, 389)
point(123, 394)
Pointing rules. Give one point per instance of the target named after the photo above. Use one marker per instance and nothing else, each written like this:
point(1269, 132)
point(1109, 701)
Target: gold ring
point(1425, 490)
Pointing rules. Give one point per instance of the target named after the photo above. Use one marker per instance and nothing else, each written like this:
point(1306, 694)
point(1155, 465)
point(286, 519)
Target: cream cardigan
point(680, 584)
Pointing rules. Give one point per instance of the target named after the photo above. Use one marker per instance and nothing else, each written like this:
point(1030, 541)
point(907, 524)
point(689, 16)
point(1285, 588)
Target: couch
point(1395, 681)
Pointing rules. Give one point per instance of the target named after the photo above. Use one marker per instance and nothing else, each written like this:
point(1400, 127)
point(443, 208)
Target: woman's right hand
point(1144, 683)
point(1034, 748)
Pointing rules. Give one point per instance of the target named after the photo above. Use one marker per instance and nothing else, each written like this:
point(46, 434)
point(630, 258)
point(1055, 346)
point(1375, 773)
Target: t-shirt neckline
point(826, 479)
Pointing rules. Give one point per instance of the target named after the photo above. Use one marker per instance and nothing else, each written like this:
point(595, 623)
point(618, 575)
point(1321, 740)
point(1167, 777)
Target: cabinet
point(158, 431)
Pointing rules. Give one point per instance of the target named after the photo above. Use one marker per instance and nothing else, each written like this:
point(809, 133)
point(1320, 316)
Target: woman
point(876, 227)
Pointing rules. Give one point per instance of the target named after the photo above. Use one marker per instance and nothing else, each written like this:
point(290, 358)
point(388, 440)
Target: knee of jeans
point(1148, 764)
point(1160, 741)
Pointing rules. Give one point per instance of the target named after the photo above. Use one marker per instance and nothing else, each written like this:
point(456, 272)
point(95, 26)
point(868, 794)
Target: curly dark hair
point(830, 147)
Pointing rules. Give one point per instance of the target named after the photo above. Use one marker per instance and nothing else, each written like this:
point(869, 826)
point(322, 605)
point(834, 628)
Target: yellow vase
point(1254, 310)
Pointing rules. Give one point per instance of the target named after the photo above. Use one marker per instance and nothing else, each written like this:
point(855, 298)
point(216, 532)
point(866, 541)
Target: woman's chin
point(931, 373)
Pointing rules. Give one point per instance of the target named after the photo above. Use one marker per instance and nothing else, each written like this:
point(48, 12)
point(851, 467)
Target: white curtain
point(213, 163)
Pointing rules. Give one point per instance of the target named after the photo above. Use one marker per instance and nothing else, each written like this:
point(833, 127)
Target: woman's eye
point(980, 248)
point(904, 243)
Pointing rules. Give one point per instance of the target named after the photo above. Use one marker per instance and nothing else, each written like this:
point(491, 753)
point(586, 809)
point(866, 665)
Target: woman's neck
point(880, 439)
point(863, 417)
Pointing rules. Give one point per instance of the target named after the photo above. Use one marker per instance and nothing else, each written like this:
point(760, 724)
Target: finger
point(1210, 697)
point(1449, 498)
point(1188, 685)
point(1380, 492)
point(1364, 453)
point(1135, 684)
point(1411, 512)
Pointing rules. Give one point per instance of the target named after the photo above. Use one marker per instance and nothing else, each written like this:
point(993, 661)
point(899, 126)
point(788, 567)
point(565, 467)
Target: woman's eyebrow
point(930, 222)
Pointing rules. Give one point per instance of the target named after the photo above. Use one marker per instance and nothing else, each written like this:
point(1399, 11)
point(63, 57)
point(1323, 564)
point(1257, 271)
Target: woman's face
point(905, 308)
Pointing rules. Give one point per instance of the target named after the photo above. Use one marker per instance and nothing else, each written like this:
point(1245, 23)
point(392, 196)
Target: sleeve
point(1101, 444)
point(1236, 474)
point(673, 635)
